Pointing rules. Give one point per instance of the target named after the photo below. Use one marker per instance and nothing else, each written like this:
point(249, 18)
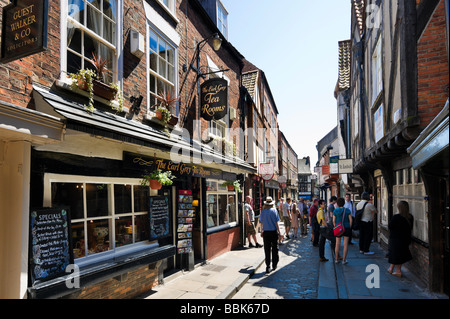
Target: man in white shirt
point(287, 217)
point(250, 230)
point(366, 224)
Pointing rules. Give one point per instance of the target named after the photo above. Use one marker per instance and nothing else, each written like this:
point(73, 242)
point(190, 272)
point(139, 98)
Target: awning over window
point(115, 127)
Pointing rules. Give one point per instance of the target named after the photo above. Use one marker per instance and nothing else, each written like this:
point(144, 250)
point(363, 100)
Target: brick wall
point(128, 286)
point(432, 68)
point(420, 264)
point(193, 29)
point(222, 242)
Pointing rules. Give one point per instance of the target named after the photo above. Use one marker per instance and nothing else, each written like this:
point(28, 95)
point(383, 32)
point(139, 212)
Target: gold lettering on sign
point(22, 25)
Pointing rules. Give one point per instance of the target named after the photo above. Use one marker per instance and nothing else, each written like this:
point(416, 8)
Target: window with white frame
point(161, 67)
point(170, 4)
point(106, 213)
point(377, 71)
point(91, 28)
point(222, 19)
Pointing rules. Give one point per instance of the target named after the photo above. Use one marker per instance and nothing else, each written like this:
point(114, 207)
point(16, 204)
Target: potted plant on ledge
point(93, 82)
point(233, 185)
point(166, 103)
point(157, 179)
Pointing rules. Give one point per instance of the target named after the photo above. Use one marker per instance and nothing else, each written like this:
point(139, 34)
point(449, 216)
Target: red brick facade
point(433, 69)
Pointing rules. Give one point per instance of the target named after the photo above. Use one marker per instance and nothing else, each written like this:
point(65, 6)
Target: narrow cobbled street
point(287, 281)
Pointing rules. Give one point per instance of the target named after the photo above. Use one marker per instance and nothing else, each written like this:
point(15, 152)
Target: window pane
point(124, 231)
point(153, 61)
point(170, 54)
point(110, 9)
point(99, 233)
point(78, 240)
point(69, 195)
point(91, 46)
point(94, 20)
point(222, 207)
point(95, 3)
point(231, 209)
point(97, 200)
point(153, 42)
point(141, 194)
point(152, 84)
point(109, 31)
point(212, 210)
point(73, 62)
point(142, 228)
point(162, 49)
point(74, 38)
point(75, 10)
point(162, 68)
point(171, 75)
point(122, 199)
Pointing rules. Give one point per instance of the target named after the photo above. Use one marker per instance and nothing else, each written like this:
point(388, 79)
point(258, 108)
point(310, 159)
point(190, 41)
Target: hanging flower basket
point(157, 179)
point(154, 184)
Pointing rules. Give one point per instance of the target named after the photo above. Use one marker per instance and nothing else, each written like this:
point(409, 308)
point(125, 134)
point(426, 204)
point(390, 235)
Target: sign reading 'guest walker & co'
point(214, 99)
point(24, 29)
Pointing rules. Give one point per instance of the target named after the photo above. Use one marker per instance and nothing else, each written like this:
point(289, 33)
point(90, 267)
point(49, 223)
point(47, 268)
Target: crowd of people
point(333, 221)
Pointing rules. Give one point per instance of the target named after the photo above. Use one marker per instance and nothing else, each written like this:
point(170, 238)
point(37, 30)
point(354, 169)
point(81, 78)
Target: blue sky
point(295, 43)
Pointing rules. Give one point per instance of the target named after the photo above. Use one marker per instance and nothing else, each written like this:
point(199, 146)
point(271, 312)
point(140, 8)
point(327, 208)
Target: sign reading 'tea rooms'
point(24, 29)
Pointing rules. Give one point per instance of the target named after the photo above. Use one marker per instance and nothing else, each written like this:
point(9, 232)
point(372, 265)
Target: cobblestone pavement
point(296, 277)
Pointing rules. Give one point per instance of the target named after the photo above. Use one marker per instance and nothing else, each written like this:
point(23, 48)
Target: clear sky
point(295, 43)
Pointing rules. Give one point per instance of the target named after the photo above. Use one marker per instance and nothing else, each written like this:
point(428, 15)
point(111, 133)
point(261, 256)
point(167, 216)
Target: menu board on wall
point(159, 217)
point(186, 215)
point(50, 245)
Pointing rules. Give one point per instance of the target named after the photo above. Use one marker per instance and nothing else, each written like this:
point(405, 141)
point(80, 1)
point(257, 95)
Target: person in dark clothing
point(400, 229)
point(315, 234)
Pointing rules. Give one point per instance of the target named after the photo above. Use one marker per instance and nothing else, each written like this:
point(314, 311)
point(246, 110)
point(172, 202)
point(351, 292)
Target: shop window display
point(104, 216)
point(221, 204)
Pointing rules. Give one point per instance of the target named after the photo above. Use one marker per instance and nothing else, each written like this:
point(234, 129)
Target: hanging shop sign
point(50, 243)
point(214, 99)
point(266, 171)
point(24, 29)
point(346, 166)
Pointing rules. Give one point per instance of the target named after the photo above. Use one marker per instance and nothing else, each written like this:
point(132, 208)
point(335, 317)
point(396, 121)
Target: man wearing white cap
point(270, 230)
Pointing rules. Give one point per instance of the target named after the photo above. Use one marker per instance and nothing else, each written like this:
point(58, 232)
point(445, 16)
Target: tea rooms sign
point(214, 99)
point(24, 29)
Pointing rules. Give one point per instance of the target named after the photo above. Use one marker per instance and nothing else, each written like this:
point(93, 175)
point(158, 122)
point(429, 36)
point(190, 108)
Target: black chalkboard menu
point(50, 244)
point(159, 217)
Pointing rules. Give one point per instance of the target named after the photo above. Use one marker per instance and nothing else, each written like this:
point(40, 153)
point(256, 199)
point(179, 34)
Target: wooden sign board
point(24, 29)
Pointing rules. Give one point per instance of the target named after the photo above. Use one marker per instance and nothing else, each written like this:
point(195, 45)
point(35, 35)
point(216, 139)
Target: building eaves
point(359, 6)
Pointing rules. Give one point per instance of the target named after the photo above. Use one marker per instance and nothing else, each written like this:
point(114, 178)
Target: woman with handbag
point(342, 221)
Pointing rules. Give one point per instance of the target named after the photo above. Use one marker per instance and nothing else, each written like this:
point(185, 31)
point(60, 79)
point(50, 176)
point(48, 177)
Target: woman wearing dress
point(294, 222)
point(400, 229)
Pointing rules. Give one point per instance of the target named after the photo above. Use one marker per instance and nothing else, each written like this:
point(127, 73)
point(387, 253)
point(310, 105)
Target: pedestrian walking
point(315, 234)
point(287, 216)
point(303, 217)
point(250, 229)
point(271, 232)
point(351, 207)
point(322, 230)
point(366, 224)
point(400, 229)
point(294, 219)
point(342, 214)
